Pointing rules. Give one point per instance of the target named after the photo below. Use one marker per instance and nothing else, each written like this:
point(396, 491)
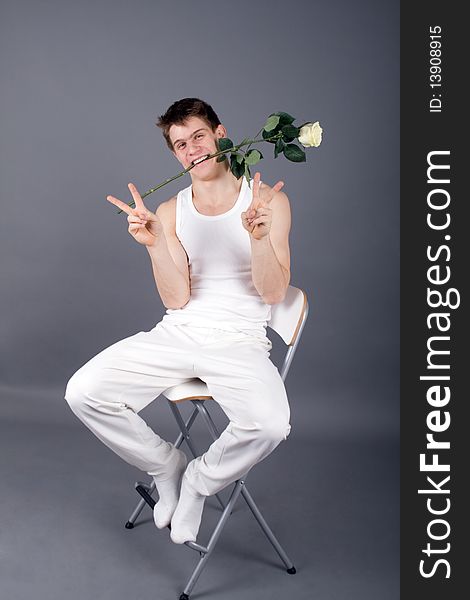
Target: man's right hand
point(144, 225)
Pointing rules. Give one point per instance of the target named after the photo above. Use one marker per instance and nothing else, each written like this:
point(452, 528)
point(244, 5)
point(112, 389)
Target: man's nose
point(193, 148)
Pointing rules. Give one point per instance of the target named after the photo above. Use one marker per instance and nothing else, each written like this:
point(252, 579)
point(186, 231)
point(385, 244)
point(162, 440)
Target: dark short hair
point(181, 110)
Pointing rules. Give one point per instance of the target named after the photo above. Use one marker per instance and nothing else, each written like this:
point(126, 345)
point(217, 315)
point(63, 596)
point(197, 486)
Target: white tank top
point(219, 251)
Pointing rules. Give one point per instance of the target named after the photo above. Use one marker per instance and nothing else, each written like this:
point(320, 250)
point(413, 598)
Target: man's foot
point(188, 514)
point(168, 491)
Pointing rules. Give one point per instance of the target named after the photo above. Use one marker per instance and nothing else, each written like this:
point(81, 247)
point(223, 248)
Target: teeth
point(200, 159)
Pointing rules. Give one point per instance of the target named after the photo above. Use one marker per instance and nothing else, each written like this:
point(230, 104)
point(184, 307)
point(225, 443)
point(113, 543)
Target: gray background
point(82, 86)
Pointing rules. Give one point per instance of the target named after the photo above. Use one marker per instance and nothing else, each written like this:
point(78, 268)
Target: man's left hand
point(258, 216)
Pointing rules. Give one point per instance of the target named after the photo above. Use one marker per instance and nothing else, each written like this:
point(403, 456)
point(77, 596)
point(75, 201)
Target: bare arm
point(169, 260)
point(156, 231)
point(268, 221)
point(270, 256)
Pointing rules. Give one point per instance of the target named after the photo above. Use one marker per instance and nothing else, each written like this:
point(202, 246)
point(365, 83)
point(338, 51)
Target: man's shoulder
point(280, 202)
point(167, 212)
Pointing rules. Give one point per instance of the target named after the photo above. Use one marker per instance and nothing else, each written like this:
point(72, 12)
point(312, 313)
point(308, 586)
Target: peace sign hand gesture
point(144, 225)
point(258, 217)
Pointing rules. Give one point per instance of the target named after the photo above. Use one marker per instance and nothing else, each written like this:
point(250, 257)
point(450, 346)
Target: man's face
point(193, 140)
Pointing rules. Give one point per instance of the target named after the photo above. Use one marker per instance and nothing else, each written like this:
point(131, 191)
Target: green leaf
point(234, 169)
point(237, 168)
point(294, 153)
point(279, 147)
point(289, 132)
point(271, 123)
point(252, 157)
point(244, 141)
point(236, 156)
point(221, 158)
point(285, 118)
point(267, 134)
point(225, 144)
point(247, 173)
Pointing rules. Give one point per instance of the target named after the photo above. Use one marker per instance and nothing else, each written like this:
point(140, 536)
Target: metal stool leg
point(247, 496)
point(184, 427)
point(207, 418)
point(268, 532)
point(237, 489)
point(140, 505)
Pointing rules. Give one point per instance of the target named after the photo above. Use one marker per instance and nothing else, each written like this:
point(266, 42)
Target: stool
point(288, 320)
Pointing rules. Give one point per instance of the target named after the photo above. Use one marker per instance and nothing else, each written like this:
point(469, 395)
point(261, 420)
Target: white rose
point(310, 135)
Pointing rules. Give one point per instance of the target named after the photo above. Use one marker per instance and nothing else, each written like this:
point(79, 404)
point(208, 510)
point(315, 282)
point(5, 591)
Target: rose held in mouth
point(194, 142)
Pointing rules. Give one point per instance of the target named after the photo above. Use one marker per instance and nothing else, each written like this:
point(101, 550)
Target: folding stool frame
point(288, 320)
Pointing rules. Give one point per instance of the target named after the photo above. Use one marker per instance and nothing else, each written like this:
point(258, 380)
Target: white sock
point(168, 490)
point(188, 514)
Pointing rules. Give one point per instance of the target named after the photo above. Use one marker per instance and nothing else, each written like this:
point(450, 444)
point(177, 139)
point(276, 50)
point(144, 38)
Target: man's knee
point(73, 393)
point(274, 429)
point(80, 390)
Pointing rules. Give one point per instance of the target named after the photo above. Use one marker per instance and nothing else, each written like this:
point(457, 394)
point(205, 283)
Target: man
point(220, 257)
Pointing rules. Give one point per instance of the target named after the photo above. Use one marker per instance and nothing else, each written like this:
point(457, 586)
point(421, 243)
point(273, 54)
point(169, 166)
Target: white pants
point(110, 389)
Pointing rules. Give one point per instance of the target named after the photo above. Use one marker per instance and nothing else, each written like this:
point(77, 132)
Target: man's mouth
point(198, 160)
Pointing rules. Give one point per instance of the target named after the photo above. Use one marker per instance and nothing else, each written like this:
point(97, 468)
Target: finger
point(264, 220)
point(279, 185)
point(261, 212)
point(149, 216)
point(139, 203)
point(246, 222)
point(272, 192)
point(120, 204)
point(135, 219)
point(255, 198)
point(144, 214)
point(135, 227)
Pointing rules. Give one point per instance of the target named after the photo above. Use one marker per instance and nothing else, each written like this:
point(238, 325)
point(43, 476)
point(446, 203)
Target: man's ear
point(220, 131)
